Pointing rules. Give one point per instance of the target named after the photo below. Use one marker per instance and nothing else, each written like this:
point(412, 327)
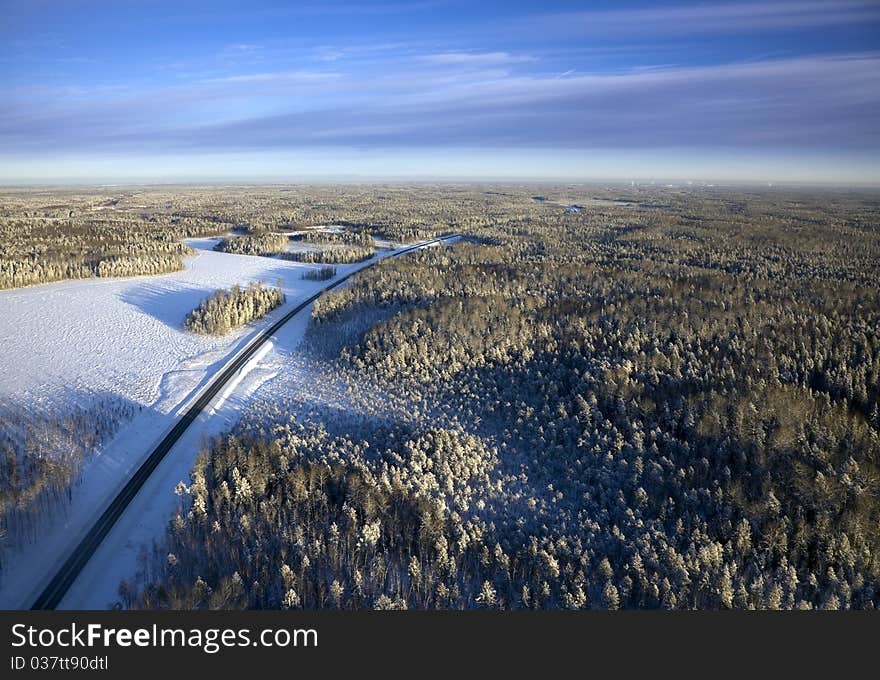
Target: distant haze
point(780, 90)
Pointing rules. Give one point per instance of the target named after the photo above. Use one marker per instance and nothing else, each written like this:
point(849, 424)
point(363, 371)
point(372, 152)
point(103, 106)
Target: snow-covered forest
point(666, 399)
point(227, 309)
point(43, 452)
point(261, 243)
point(338, 255)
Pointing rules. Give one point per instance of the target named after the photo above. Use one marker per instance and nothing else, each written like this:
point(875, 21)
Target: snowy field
point(274, 372)
point(124, 337)
point(143, 524)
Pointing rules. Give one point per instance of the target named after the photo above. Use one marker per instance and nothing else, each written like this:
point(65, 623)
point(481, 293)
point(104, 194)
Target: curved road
point(66, 575)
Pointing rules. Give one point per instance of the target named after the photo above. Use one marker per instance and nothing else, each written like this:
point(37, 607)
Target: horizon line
point(658, 181)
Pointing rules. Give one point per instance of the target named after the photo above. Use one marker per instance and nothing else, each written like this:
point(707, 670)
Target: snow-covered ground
point(124, 337)
point(146, 518)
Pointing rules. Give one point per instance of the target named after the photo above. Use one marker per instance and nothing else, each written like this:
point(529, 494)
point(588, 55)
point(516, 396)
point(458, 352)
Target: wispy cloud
point(705, 18)
point(201, 78)
point(811, 102)
point(243, 48)
point(475, 58)
point(355, 8)
point(276, 77)
point(337, 53)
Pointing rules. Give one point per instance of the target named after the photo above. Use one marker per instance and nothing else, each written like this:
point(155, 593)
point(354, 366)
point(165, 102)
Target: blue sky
point(268, 90)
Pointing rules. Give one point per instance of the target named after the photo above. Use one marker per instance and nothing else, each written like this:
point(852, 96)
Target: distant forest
point(666, 399)
point(57, 234)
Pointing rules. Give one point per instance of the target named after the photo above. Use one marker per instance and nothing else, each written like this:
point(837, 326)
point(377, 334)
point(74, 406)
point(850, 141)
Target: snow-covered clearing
point(146, 518)
point(124, 337)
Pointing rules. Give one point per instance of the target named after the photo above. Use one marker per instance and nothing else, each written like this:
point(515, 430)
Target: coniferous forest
point(228, 309)
point(665, 398)
point(261, 243)
point(598, 397)
point(339, 255)
point(43, 452)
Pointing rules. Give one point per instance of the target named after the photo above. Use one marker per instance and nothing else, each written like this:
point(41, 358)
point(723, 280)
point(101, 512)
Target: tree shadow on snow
point(170, 306)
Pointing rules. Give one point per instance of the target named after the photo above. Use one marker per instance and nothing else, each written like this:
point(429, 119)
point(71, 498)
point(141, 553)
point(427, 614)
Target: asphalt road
point(66, 575)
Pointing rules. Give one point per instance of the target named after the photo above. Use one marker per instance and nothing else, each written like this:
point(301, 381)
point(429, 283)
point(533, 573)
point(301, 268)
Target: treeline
point(15, 274)
point(41, 459)
point(346, 237)
point(265, 243)
point(667, 403)
point(111, 260)
point(336, 255)
point(225, 310)
point(41, 243)
point(57, 234)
